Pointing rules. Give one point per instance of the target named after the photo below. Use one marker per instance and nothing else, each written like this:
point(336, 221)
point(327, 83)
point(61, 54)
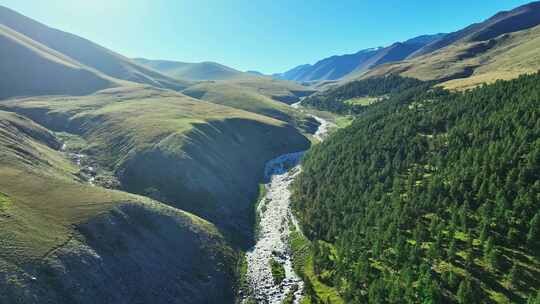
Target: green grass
point(41, 202)
point(240, 98)
point(122, 120)
point(253, 96)
point(192, 71)
point(191, 151)
point(303, 265)
point(343, 121)
point(4, 201)
point(362, 101)
point(278, 271)
point(69, 76)
point(241, 271)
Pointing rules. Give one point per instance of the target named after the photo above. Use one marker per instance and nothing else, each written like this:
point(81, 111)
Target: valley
point(404, 173)
point(273, 232)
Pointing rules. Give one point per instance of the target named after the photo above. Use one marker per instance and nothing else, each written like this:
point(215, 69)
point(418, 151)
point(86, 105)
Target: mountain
point(264, 96)
point(337, 67)
point(520, 18)
point(58, 232)
point(110, 180)
point(428, 196)
point(256, 73)
point(331, 68)
point(27, 66)
point(81, 52)
point(191, 71)
point(502, 47)
point(191, 155)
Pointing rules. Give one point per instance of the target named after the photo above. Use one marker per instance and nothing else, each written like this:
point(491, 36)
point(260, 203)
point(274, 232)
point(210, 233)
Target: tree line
point(334, 100)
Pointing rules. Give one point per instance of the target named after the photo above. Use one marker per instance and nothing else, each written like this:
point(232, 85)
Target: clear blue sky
point(268, 36)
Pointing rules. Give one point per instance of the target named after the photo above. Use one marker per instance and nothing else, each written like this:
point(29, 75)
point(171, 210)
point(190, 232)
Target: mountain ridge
point(339, 66)
point(85, 52)
point(206, 70)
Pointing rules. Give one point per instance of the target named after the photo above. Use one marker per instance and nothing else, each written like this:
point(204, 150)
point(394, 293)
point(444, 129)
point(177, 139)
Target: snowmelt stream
point(275, 217)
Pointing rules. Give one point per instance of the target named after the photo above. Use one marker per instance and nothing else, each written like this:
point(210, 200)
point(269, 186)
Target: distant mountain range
point(336, 67)
point(192, 71)
point(520, 18)
point(502, 47)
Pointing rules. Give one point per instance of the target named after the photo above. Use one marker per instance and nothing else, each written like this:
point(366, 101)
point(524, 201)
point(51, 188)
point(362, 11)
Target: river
point(275, 216)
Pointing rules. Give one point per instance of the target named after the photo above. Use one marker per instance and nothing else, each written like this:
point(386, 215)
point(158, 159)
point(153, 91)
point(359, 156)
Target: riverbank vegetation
point(278, 271)
point(315, 291)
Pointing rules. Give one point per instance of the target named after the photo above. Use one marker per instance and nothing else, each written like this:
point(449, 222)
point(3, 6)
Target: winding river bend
point(275, 217)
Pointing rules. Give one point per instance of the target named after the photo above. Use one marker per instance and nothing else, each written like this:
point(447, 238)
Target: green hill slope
point(86, 52)
point(279, 90)
point(520, 18)
point(192, 71)
point(430, 196)
point(503, 47)
point(57, 233)
point(250, 99)
point(27, 67)
point(198, 156)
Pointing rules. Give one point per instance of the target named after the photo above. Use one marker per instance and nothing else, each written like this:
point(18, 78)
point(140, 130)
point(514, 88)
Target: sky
point(263, 35)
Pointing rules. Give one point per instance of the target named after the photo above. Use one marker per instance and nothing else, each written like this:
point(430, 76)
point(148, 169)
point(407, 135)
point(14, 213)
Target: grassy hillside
point(192, 71)
point(27, 65)
point(429, 197)
point(250, 99)
point(520, 18)
point(86, 52)
point(198, 156)
point(480, 53)
point(57, 233)
point(281, 90)
point(468, 64)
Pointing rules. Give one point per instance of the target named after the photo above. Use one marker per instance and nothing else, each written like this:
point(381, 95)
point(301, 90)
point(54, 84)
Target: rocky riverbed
point(89, 170)
point(272, 243)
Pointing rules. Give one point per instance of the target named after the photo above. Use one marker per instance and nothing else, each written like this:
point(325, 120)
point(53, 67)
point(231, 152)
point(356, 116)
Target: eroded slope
point(198, 156)
point(64, 241)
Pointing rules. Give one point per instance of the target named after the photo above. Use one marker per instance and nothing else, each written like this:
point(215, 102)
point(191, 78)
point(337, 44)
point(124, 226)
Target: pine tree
point(494, 259)
point(488, 248)
point(484, 233)
point(465, 294)
point(534, 298)
point(514, 276)
point(452, 250)
point(533, 237)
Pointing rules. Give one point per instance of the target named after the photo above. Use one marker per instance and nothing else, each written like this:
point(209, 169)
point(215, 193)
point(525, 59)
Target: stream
point(275, 218)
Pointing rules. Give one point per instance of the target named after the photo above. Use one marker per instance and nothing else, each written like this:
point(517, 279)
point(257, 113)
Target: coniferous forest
point(430, 196)
point(334, 100)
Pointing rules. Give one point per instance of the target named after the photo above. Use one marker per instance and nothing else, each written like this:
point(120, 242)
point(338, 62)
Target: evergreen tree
point(465, 293)
point(533, 236)
point(494, 259)
point(514, 276)
point(534, 298)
